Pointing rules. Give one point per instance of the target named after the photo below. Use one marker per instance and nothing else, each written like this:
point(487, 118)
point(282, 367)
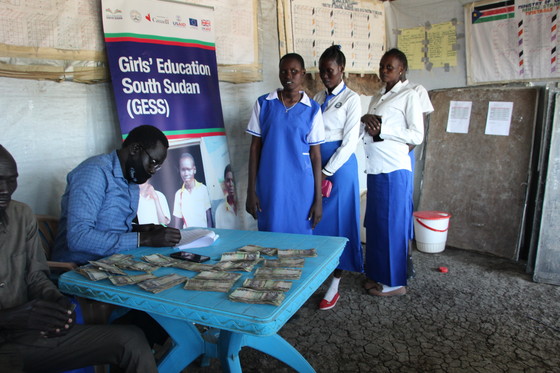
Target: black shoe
point(410, 272)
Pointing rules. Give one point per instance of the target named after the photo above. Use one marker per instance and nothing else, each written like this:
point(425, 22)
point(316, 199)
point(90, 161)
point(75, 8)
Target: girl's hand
point(253, 204)
point(316, 213)
point(372, 124)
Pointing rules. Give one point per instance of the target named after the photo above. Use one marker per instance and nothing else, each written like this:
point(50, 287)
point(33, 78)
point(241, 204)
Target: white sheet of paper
point(196, 238)
point(498, 120)
point(459, 116)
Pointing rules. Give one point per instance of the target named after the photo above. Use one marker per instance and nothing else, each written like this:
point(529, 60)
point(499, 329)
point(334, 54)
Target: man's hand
point(50, 318)
point(160, 236)
point(144, 227)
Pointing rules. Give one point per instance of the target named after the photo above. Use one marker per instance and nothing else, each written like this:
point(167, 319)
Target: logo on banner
point(179, 22)
point(157, 19)
point(193, 22)
point(113, 14)
point(206, 25)
point(135, 16)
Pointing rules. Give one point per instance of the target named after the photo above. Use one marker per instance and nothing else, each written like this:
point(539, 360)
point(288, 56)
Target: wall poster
point(311, 26)
point(512, 40)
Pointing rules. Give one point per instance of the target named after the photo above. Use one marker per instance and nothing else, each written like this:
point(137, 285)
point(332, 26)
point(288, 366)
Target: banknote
point(278, 273)
point(92, 273)
point(246, 295)
point(238, 256)
point(159, 284)
point(109, 268)
point(257, 284)
point(296, 253)
point(222, 286)
point(246, 266)
point(136, 265)
point(270, 251)
point(284, 263)
point(218, 275)
point(116, 258)
point(160, 260)
point(192, 266)
point(130, 279)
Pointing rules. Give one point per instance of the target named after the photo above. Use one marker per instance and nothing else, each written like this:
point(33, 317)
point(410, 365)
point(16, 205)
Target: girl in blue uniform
point(284, 189)
point(394, 121)
point(341, 114)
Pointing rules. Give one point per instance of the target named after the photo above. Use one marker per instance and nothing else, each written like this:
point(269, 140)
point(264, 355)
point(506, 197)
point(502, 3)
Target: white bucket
point(430, 230)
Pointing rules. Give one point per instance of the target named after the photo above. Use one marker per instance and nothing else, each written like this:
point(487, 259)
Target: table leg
point(188, 344)
point(230, 344)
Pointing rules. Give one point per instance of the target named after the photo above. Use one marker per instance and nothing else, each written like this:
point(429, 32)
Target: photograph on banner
point(192, 188)
point(224, 200)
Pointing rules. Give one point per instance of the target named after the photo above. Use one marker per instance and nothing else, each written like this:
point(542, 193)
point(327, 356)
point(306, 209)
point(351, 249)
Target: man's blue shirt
point(98, 207)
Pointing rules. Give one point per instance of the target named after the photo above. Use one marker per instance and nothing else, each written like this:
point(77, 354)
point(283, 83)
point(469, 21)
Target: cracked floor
point(484, 315)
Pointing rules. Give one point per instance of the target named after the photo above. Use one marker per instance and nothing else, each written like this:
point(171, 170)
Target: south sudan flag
point(493, 12)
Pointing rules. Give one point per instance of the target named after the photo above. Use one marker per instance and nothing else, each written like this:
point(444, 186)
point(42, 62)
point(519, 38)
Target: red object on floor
point(326, 305)
point(443, 269)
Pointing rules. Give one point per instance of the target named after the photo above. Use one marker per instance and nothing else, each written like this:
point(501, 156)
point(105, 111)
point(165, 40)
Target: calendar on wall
point(308, 27)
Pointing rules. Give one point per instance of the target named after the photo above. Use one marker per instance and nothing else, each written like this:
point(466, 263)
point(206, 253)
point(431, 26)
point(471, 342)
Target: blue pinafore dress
point(285, 182)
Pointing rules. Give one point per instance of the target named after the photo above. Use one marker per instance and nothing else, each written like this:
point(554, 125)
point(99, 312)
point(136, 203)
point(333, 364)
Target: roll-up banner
point(162, 59)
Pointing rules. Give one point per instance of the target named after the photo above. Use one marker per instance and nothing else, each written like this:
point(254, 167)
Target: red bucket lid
point(431, 215)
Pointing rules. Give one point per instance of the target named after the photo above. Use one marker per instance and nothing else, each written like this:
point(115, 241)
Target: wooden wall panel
point(480, 179)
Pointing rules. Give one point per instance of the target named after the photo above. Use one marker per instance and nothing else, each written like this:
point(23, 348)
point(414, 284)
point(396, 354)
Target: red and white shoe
point(326, 305)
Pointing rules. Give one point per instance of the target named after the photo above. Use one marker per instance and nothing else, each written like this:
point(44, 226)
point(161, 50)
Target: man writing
point(37, 331)
point(101, 201)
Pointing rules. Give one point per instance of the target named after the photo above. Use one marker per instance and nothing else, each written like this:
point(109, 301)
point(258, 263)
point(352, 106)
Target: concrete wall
point(51, 127)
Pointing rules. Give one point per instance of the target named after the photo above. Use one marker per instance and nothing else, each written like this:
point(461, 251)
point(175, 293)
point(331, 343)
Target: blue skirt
point(341, 211)
point(387, 222)
point(412, 164)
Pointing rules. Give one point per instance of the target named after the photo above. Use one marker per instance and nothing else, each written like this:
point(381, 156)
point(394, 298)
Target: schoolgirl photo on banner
point(192, 189)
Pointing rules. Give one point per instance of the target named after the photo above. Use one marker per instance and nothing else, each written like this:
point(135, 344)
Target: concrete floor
point(484, 315)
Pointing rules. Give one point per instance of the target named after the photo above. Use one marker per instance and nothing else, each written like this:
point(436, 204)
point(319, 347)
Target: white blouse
point(401, 124)
point(342, 122)
point(425, 101)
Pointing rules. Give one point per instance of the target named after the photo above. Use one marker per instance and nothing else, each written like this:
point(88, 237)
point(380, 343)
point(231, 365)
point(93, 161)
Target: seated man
point(101, 201)
point(37, 331)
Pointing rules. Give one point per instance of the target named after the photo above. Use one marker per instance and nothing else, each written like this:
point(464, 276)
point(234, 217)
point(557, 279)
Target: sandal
point(379, 293)
point(370, 284)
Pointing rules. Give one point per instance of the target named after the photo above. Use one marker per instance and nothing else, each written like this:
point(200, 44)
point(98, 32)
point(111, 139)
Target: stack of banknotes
point(212, 281)
point(159, 284)
point(247, 295)
point(268, 285)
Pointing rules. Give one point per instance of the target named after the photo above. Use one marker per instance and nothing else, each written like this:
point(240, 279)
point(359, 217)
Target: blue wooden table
point(237, 324)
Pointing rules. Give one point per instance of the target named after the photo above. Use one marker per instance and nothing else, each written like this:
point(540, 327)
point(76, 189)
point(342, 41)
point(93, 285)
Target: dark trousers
point(123, 346)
